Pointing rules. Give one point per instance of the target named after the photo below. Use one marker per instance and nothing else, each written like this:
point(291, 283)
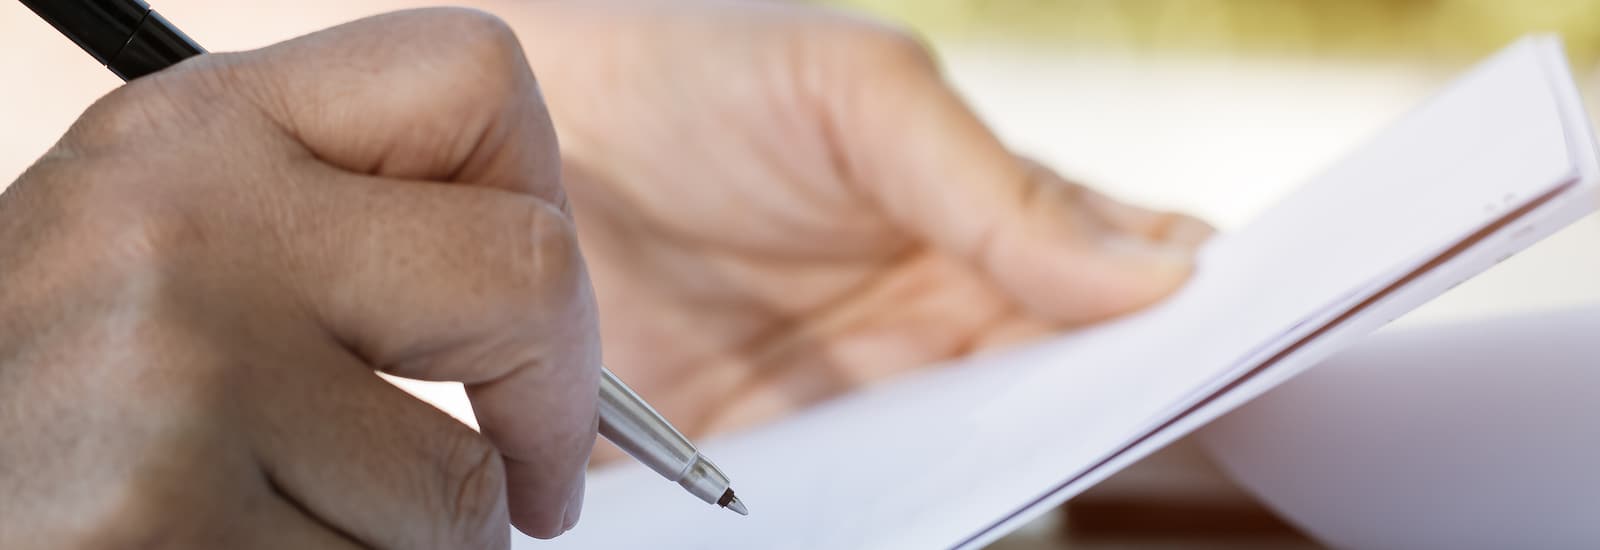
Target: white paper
point(1478, 435)
point(957, 455)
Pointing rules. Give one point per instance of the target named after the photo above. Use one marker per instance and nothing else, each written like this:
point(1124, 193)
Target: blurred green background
point(1441, 30)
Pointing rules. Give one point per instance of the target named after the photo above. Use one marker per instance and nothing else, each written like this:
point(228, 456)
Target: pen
point(133, 40)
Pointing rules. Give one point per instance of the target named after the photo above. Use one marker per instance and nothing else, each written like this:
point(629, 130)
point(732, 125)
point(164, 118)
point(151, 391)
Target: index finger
point(423, 281)
point(438, 94)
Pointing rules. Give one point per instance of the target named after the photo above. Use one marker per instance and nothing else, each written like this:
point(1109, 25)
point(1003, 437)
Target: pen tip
point(732, 503)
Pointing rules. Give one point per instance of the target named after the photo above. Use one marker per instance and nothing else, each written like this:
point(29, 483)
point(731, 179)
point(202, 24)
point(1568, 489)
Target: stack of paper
point(1460, 436)
point(958, 455)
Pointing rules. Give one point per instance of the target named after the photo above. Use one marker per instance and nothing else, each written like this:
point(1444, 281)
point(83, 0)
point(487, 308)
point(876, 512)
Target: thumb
point(1061, 250)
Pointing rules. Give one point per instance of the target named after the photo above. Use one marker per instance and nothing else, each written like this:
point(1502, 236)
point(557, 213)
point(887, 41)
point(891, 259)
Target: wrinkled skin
point(201, 277)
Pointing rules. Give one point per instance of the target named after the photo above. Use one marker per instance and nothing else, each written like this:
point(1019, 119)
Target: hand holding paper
point(952, 457)
point(781, 203)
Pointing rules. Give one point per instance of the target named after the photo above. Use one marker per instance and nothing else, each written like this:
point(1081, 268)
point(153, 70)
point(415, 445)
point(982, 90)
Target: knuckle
point(121, 117)
point(473, 491)
point(484, 45)
point(885, 47)
point(109, 195)
point(170, 104)
point(143, 237)
point(543, 267)
point(104, 215)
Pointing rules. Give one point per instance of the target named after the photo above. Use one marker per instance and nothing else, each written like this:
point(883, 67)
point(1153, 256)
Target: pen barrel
point(155, 45)
point(636, 428)
point(124, 35)
point(100, 27)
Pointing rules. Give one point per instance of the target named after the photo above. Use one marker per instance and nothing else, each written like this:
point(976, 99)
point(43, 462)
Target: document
point(1463, 435)
point(957, 455)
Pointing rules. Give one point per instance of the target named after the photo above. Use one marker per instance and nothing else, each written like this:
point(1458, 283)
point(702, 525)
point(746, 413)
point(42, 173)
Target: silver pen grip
point(632, 425)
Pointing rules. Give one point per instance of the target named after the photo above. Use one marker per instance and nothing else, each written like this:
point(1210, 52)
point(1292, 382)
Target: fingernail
point(1189, 231)
point(1147, 254)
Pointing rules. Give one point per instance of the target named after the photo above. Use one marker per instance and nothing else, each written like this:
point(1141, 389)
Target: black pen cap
point(100, 27)
point(155, 45)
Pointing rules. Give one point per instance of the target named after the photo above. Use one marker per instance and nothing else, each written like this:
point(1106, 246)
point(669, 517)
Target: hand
point(202, 275)
point(780, 203)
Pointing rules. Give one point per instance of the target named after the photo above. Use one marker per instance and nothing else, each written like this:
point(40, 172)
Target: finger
point(473, 285)
point(488, 290)
point(1014, 331)
point(440, 94)
point(936, 170)
point(371, 462)
point(1153, 225)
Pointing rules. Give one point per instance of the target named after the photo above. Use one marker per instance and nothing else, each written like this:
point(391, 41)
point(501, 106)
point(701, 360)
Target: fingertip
point(575, 505)
point(1148, 258)
point(1140, 273)
point(545, 512)
point(1079, 282)
point(544, 525)
point(1148, 267)
point(543, 420)
point(1188, 231)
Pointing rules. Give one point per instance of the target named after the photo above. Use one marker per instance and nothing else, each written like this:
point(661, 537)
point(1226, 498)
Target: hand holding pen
point(289, 223)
